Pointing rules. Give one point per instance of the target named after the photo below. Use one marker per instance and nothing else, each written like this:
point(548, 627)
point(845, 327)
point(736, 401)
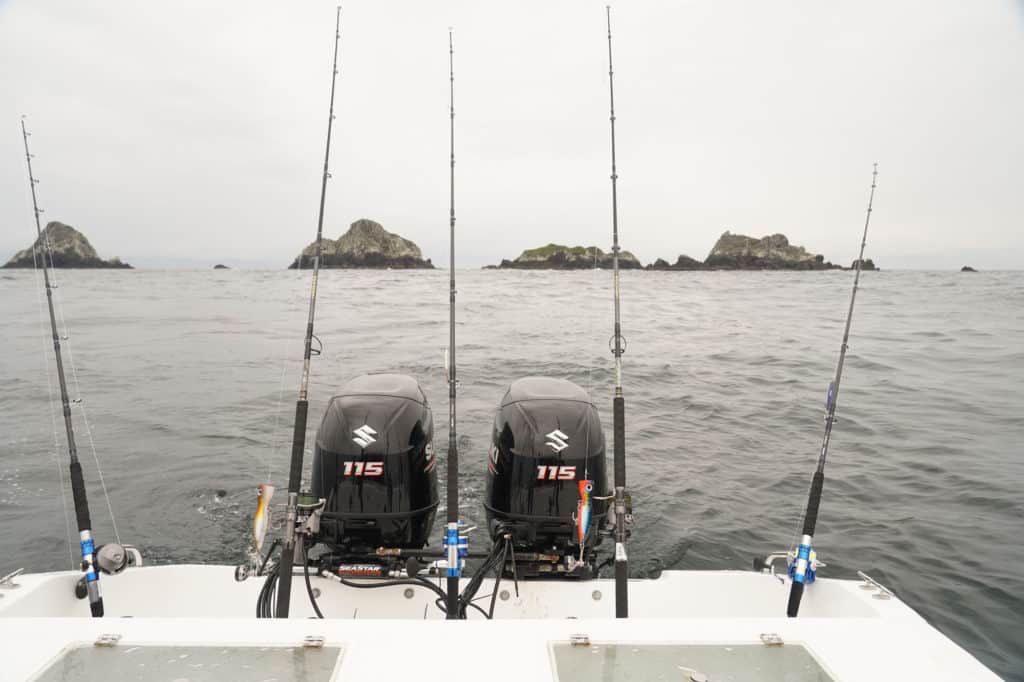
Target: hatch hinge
point(107, 639)
point(579, 639)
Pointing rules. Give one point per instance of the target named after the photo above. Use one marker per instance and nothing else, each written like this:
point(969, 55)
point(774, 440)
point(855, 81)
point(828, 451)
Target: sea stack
point(868, 264)
point(69, 247)
point(682, 263)
point(366, 245)
point(560, 257)
point(773, 252)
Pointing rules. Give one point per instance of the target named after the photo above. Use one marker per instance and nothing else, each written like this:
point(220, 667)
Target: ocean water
point(188, 381)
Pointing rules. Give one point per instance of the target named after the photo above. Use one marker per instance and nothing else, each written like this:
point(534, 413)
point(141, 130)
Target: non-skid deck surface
point(126, 663)
point(683, 662)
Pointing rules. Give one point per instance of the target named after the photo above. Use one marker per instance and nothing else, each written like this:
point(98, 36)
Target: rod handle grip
point(813, 501)
point(619, 440)
point(298, 446)
point(284, 581)
point(621, 589)
point(796, 592)
point(79, 496)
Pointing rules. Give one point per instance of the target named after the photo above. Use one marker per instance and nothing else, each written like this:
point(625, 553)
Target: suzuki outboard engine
point(374, 465)
point(546, 446)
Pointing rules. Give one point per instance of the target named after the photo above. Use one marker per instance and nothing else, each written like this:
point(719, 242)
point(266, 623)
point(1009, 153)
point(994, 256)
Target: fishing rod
point(802, 568)
point(452, 540)
point(284, 587)
point(90, 571)
point(618, 403)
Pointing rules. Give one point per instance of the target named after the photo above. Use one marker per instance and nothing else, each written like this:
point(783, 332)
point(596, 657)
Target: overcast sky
point(184, 134)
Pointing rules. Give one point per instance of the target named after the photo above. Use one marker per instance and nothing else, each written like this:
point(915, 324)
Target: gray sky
point(185, 134)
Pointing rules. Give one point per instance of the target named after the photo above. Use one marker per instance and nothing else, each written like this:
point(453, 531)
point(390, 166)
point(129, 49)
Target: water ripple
point(725, 376)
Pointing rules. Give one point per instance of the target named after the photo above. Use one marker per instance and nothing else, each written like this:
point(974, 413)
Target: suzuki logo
point(557, 441)
point(364, 436)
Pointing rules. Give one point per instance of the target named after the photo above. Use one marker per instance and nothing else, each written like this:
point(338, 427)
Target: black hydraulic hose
point(309, 586)
point(265, 600)
point(497, 579)
point(417, 581)
point(497, 555)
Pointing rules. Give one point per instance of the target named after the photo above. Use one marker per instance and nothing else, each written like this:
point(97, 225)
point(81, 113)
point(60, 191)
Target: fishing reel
point(609, 530)
point(810, 573)
point(307, 524)
point(111, 559)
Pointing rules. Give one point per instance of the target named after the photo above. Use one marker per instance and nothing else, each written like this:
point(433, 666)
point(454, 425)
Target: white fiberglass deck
point(391, 633)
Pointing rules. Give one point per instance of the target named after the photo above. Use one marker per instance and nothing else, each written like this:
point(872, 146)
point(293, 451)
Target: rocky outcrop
point(560, 257)
point(220, 266)
point(366, 245)
point(682, 263)
point(967, 268)
point(774, 252)
point(868, 264)
point(69, 248)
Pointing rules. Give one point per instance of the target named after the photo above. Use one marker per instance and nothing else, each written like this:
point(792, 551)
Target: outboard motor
point(374, 465)
point(547, 441)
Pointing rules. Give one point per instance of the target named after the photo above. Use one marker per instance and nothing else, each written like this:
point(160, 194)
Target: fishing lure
point(261, 519)
point(583, 509)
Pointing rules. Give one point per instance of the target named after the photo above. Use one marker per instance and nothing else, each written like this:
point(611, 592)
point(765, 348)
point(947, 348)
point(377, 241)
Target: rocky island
point(740, 252)
point(70, 250)
point(773, 252)
point(366, 245)
point(682, 263)
point(730, 252)
point(868, 264)
point(560, 257)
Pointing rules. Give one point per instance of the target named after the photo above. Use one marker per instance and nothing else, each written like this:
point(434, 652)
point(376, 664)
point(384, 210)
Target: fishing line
point(618, 401)
point(52, 404)
point(452, 538)
point(830, 418)
point(66, 337)
point(803, 564)
point(287, 558)
point(90, 572)
point(276, 435)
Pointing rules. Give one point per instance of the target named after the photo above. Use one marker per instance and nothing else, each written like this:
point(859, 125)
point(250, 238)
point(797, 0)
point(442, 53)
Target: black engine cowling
point(547, 438)
point(374, 463)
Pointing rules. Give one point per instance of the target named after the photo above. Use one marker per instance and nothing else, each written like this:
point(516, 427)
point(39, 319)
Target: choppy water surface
point(189, 381)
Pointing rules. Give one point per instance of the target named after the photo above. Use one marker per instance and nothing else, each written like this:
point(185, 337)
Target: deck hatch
point(680, 662)
point(127, 663)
